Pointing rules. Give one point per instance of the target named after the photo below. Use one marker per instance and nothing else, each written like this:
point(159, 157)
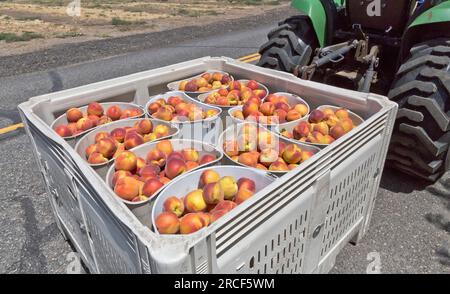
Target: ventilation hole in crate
point(282, 269)
point(265, 251)
point(259, 256)
point(273, 244)
point(251, 264)
point(279, 240)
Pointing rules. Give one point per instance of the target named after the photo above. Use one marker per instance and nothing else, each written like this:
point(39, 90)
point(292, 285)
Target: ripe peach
point(249, 108)
point(252, 84)
point(133, 140)
point(97, 158)
point(293, 115)
point(140, 163)
point(95, 108)
point(327, 139)
point(287, 134)
point(239, 114)
point(342, 113)
point(191, 223)
point(302, 109)
point(157, 157)
point(243, 194)
point(337, 131)
point(347, 124)
point(164, 180)
point(127, 188)
point(207, 177)
point(332, 120)
point(104, 120)
point(267, 140)
point(213, 193)
point(175, 154)
point(316, 116)
point(279, 165)
point(267, 108)
point(229, 187)
point(292, 166)
point(190, 165)
point(196, 115)
point(174, 100)
point(207, 158)
point(120, 149)
point(182, 85)
point(260, 93)
point(165, 146)
point(302, 129)
point(63, 131)
point(205, 217)
point(163, 114)
point(306, 155)
point(328, 112)
point(90, 149)
point(280, 116)
point(268, 156)
point(140, 198)
point(194, 201)
point(207, 76)
point(149, 171)
point(144, 126)
point(161, 131)
point(167, 223)
point(175, 167)
point(226, 205)
point(191, 87)
point(84, 124)
point(153, 107)
point(282, 105)
point(101, 135)
point(246, 183)
point(94, 119)
point(118, 134)
point(73, 128)
point(292, 154)
point(107, 147)
point(120, 174)
point(151, 186)
point(114, 112)
point(231, 148)
point(217, 214)
point(322, 128)
point(247, 159)
point(260, 166)
point(126, 161)
point(74, 114)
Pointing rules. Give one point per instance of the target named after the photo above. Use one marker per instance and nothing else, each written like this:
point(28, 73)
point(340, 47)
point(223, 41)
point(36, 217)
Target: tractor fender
point(322, 14)
point(430, 24)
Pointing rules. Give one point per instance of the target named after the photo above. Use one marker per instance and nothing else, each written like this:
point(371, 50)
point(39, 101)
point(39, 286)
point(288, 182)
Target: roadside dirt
point(27, 27)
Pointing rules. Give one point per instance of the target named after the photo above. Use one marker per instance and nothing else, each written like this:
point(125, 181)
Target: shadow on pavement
point(399, 182)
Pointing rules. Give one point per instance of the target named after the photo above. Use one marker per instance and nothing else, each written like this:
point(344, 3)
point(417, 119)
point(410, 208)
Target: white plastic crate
point(298, 224)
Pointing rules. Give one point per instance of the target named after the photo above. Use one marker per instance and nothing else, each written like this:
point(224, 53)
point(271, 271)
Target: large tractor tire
point(291, 44)
point(421, 138)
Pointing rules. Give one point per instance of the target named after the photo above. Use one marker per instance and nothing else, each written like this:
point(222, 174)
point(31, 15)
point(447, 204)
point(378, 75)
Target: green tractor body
point(398, 48)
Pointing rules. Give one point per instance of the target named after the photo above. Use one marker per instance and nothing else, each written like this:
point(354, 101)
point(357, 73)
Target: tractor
point(397, 48)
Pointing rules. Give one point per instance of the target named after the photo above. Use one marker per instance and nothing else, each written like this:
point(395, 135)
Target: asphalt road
point(410, 226)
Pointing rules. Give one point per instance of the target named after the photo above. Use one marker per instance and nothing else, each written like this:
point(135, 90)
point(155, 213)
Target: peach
point(157, 157)
point(261, 167)
point(347, 124)
point(126, 161)
point(231, 148)
point(302, 109)
point(282, 105)
point(239, 114)
point(217, 76)
point(322, 128)
point(94, 119)
point(175, 154)
point(212, 112)
point(213, 193)
point(267, 140)
point(207, 76)
point(342, 113)
point(120, 149)
point(207, 177)
point(252, 84)
point(140, 198)
point(107, 147)
point(254, 99)
point(149, 171)
point(293, 115)
point(63, 131)
point(279, 165)
point(292, 166)
point(74, 114)
point(201, 83)
point(205, 217)
point(95, 108)
point(229, 187)
point(247, 184)
point(120, 174)
point(327, 139)
point(153, 107)
point(104, 120)
point(267, 108)
point(196, 115)
point(190, 165)
point(225, 205)
point(268, 156)
point(225, 79)
point(133, 140)
point(287, 134)
point(114, 112)
point(165, 146)
point(144, 126)
point(210, 99)
point(223, 101)
point(90, 149)
point(292, 154)
point(84, 124)
point(302, 129)
point(119, 134)
point(101, 135)
point(175, 167)
point(161, 131)
point(191, 223)
point(246, 95)
point(140, 163)
point(207, 158)
point(191, 87)
point(163, 114)
point(337, 131)
point(174, 100)
point(281, 115)
point(127, 188)
point(249, 108)
point(243, 194)
point(97, 158)
point(332, 120)
point(306, 155)
point(182, 85)
point(164, 180)
point(167, 223)
point(260, 93)
point(194, 201)
point(151, 186)
point(73, 128)
point(316, 116)
point(328, 112)
point(217, 214)
point(247, 159)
